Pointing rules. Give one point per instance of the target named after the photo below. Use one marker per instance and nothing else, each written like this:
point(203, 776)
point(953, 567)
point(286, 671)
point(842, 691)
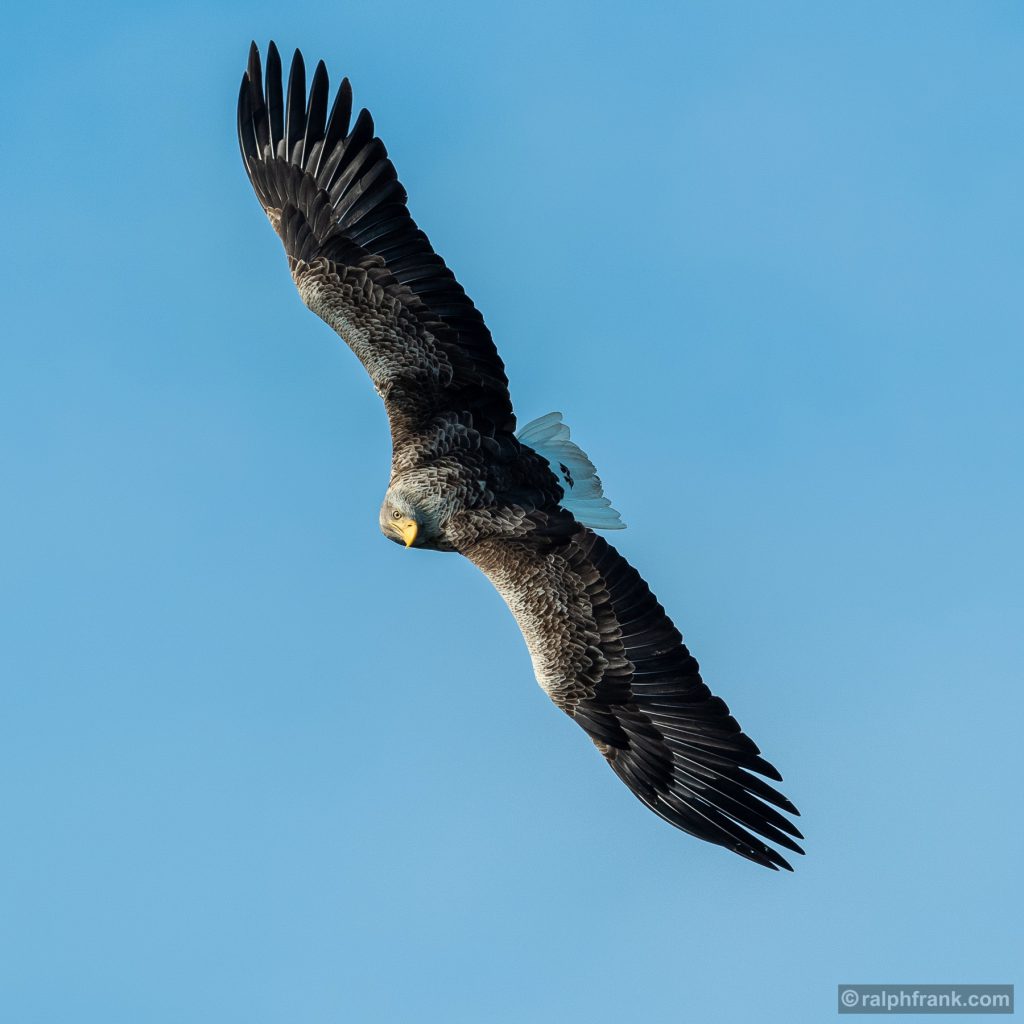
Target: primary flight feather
point(521, 507)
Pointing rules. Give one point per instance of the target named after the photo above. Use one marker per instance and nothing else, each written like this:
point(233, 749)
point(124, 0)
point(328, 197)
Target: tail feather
point(584, 498)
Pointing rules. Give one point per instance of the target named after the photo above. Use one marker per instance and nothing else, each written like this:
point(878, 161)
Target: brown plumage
point(602, 646)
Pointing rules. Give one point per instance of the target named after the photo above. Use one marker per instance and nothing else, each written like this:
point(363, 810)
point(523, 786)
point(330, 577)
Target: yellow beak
point(409, 529)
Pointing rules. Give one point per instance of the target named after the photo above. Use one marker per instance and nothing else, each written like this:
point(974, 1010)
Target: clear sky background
point(259, 765)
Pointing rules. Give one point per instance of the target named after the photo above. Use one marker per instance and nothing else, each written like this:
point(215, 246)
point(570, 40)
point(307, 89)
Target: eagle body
point(522, 506)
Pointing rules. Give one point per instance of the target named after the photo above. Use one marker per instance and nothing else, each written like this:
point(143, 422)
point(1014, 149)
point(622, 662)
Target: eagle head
point(405, 520)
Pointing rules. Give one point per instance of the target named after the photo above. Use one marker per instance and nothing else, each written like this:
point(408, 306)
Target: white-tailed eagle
point(523, 507)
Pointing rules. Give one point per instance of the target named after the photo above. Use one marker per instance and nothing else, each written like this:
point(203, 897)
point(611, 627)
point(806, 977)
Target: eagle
point(522, 506)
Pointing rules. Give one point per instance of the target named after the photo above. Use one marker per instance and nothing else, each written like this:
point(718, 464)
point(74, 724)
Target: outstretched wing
point(608, 655)
point(357, 257)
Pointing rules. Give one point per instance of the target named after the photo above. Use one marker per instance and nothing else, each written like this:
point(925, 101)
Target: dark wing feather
point(356, 254)
point(608, 655)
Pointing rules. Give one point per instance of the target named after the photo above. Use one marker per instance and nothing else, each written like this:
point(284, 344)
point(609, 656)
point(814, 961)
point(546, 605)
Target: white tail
point(549, 436)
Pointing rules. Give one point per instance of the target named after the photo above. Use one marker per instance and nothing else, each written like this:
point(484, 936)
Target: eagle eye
point(396, 514)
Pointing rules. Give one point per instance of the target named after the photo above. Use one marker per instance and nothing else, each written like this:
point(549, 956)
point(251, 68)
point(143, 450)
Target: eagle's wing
point(608, 655)
point(357, 257)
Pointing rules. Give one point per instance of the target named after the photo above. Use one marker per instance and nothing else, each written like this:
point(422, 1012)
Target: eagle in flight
point(522, 506)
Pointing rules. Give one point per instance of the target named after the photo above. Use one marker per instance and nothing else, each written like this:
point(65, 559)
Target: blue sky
point(259, 765)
